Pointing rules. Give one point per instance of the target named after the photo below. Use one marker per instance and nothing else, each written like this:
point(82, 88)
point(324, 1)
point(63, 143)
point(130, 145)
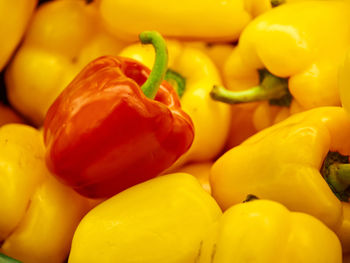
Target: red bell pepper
point(104, 133)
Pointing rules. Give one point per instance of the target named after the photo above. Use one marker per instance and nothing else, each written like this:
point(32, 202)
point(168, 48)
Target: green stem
point(336, 171)
point(6, 259)
point(271, 88)
point(177, 81)
point(344, 172)
point(275, 3)
point(339, 176)
point(150, 87)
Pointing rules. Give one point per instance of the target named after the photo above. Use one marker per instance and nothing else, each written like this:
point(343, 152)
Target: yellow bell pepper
point(291, 162)
point(161, 220)
point(241, 126)
point(263, 231)
point(62, 38)
point(38, 215)
point(210, 118)
point(215, 20)
point(22, 150)
point(14, 18)
point(218, 52)
point(288, 58)
point(199, 170)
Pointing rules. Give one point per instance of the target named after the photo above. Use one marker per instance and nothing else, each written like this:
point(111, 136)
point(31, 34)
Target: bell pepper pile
point(175, 132)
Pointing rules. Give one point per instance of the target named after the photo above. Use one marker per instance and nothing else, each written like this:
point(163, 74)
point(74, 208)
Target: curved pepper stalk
point(271, 88)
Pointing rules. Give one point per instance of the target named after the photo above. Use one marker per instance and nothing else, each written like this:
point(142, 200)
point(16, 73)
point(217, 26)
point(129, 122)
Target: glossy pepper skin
point(104, 135)
point(38, 215)
point(211, 119)
point(264, 231)
point(284, 162)
point(14, 18)
point(61, 39)
point(224, 20)
point(289, 43)
point(218, 52)
point(162, 220)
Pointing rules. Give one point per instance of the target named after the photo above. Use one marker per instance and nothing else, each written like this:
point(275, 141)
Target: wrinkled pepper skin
point(14, 18)
point(283, 163)
point(289, 41)
point(21, 151)
point(104, 135)
point(38, 215)
point(45, 233)
point(211, 119)
point(162, 220)
point(62, 38)
point(224, 20)
point(263, 231)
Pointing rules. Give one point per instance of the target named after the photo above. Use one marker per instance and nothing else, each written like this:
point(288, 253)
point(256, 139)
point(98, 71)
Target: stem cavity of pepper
point(150, 87)
point(336, 171)
point(275, 3)
point(250, 198)
point(271, 88)
point(176, 80)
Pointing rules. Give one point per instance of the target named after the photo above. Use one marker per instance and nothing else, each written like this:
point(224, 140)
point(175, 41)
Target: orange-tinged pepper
point(291, 162)
point(14, 18)
point(62, 38)
point(242, 126)
point(8, 115)
point(199, 170)
point(38, 215)
point(346, 258)
point(284, 58)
